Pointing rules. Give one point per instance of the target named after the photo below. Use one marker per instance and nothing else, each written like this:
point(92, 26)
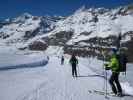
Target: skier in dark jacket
point(62, 60)
point(114, 79)
point(73, 61)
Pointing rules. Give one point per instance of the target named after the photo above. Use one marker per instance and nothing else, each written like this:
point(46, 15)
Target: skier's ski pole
point(106, 84)
point(78, 70)
point(105, 74)
point(103, 70)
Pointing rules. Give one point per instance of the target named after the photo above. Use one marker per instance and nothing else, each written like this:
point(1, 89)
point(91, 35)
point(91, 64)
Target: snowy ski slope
point(55, 82)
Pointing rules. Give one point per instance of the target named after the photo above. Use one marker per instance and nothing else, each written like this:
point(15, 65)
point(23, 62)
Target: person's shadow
point(96, 75)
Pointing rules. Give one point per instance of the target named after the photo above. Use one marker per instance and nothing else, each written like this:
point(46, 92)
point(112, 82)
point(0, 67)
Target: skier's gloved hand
point(106, 66)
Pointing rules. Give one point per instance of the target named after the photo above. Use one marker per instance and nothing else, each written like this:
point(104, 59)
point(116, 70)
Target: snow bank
point(10, 58)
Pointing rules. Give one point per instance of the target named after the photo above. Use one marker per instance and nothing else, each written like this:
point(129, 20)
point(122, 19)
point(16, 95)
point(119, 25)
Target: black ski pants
point(74, 70)
point(114, 82)
point(62, 62)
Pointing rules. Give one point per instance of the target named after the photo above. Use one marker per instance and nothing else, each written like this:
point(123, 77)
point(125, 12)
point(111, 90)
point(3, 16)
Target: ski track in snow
point(60, 85)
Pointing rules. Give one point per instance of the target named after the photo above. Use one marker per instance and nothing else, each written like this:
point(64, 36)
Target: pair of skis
point(98, 92)
point(108, 94)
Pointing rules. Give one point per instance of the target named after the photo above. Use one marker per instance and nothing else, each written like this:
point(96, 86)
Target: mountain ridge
point(92, 28)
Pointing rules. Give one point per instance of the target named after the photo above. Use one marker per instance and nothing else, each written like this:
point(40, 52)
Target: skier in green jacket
point(114, 79)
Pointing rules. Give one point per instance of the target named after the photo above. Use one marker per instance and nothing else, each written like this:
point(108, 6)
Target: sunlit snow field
point(51, 80)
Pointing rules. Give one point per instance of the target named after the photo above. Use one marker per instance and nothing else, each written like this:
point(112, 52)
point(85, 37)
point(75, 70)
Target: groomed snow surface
point(54, 81)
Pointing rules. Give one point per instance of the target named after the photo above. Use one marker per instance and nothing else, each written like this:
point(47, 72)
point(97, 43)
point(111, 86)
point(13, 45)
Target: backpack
point(122, 62)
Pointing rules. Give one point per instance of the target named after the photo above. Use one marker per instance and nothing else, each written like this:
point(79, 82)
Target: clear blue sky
point(13, 8)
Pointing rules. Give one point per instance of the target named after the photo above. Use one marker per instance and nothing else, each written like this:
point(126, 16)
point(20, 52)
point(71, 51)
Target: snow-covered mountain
point(86, 30)
point(89, 31)
point(89, 23)
point(25, 26)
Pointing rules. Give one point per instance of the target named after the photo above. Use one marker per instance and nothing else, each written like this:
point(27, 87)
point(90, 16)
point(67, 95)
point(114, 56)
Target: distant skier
point(62, 60)
point(114, 79)
point(74, 61)
point(48, 58)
